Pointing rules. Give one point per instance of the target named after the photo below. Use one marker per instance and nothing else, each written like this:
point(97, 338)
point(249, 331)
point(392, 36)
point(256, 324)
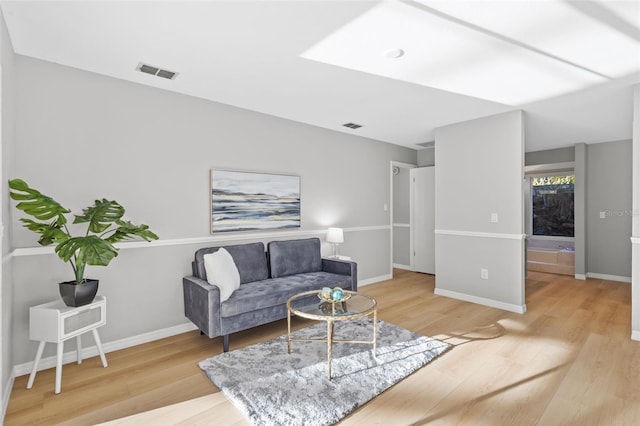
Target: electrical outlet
point(494, 217)
point(484, 274)
point(385, 207)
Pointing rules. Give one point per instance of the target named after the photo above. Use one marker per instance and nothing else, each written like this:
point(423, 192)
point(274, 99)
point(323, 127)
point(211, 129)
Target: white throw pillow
point(222, 272)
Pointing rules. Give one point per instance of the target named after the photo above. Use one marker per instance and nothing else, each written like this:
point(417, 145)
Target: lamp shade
point(335, 235)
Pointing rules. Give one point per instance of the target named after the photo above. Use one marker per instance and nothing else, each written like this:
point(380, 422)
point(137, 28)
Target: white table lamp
point(335, 236)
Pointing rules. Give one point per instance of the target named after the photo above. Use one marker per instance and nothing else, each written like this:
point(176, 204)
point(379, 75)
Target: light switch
point(603, 215)
point(494, 217)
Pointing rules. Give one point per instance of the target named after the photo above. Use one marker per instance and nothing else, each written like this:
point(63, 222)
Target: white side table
point(56, 322)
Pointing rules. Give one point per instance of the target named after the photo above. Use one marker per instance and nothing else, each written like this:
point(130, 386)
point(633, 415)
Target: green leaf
point(101, 215)
point(89, 250)
point(49, 232)
point(127, 230)
point(37, 204)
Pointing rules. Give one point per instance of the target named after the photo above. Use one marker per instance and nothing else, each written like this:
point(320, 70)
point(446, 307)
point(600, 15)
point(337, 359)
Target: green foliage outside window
point(553, 180)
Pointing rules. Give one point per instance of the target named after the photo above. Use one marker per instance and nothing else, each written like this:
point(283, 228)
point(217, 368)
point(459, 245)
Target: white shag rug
point(272, 387)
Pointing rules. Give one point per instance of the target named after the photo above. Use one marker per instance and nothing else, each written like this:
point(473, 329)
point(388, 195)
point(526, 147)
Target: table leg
point(32, 376)
point(59, 366)
point(288, 331)
point(329, 345)
point(79, 348)
point(375, 332)
point(99, 345)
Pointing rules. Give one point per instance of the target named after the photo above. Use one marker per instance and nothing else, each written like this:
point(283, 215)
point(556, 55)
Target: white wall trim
point(635, 335)
point(6, 396)
point(402, 225)
point(373, 280)
point(480, 234)
point(365, 228)
point(609, 277)
point(635, 240)
point(401, 266)
point(518, 309)
point(92, 351)
point(217, 239)
point(582, 277)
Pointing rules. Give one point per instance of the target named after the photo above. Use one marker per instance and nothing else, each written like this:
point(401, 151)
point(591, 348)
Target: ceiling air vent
point(158, 72)
point(352, 125)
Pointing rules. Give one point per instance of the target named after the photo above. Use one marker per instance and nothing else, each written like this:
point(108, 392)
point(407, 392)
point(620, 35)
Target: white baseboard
point(6, 395)
point(609, 277)
point(92, 351)
point(69, 357)
point(374, 280)
point(401, 266)
point(518, 309)
point(582, 277)
point(635, 335)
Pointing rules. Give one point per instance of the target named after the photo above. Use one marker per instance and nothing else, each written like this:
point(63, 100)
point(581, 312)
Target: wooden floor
point(568, 361)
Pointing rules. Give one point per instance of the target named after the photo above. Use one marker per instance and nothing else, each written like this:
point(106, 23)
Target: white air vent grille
point(158, 72)
point(352, 125)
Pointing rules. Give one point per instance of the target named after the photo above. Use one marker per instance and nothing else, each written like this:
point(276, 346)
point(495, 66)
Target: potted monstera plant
point(104, 228)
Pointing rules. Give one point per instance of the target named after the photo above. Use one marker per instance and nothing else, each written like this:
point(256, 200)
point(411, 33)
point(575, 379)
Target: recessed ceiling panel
point(457, 50)
point(603, 37)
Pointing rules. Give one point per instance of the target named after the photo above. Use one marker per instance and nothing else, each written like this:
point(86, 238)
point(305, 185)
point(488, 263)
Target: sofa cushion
point(276, 291)
point(222, 272)
point(250, 259)
point(294, 257)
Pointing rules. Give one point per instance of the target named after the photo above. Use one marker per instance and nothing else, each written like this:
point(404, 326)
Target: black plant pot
point(74, 294)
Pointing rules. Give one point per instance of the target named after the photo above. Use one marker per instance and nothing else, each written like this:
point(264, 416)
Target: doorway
point(549, 221)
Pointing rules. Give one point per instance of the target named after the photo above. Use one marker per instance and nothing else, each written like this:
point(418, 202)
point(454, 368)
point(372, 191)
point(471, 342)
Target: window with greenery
point(552, 205)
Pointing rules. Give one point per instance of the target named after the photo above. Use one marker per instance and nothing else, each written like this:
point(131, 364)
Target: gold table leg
point(375, 331)
point(329, 343)
point(288, 331)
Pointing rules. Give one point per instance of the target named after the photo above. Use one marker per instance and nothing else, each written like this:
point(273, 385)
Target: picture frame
point(252, 201)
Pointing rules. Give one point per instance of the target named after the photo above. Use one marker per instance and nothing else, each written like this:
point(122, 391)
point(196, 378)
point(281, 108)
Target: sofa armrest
point(202, 305)
point(342, 267)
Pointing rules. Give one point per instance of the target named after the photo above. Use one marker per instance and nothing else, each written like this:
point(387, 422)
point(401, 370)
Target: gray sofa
point(267, 280)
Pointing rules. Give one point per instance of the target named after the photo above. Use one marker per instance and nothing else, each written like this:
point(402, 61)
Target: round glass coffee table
point(310, 305)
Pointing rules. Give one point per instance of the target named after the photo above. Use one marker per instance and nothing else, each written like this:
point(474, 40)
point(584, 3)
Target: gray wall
point(152, 151)
point(609, 171)
point(579, 211)
point(603, 184)
point(472, 182)
point(426, 157)
point(6, 136)
point(401, 231)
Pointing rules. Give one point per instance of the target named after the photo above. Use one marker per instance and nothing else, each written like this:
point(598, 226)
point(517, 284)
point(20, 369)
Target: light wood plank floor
point(568, 361)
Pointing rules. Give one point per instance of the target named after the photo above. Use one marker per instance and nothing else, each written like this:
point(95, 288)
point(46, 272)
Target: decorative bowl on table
point(333, 295)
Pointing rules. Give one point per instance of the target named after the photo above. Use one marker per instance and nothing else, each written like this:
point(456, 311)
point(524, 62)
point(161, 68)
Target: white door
point(423, 245)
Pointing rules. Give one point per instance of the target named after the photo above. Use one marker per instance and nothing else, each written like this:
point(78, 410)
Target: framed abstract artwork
point(243, 201)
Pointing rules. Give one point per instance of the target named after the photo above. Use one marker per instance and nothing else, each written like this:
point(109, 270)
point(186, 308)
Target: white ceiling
point(569, 65)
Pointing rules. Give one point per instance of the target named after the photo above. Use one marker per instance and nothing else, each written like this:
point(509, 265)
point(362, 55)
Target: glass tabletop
point(310, 305)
